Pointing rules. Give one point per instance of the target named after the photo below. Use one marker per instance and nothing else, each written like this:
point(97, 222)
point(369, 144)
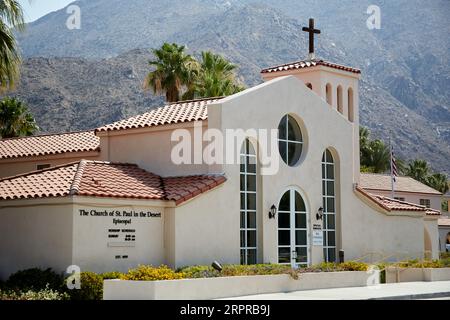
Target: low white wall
point(223, 287)
point(394, 275)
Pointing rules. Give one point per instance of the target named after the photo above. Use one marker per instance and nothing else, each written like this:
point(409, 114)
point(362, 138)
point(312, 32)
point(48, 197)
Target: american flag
point(394, 171)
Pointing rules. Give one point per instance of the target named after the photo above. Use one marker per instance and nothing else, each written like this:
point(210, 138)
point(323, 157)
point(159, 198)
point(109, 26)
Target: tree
point(375, 155)
point(15, 119)
point(216, 77)
point(419, 170)
point(364, 140)
point(174, 71)
point(11, 17)
point(379, 158)
point(439, 182)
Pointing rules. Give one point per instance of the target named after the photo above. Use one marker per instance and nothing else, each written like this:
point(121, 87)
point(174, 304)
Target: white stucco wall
point(322, 128)
point(95, 250)
point(39, 235)
point(370, 233)
point(206, 230)
point(150, 149)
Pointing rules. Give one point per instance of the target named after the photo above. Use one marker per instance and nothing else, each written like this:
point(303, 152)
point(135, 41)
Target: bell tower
point(336, 84)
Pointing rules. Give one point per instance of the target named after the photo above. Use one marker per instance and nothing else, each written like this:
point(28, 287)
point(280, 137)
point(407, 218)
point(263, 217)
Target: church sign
point(119, 237)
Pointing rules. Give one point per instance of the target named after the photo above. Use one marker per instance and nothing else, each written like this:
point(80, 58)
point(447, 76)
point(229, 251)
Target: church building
point(112, 198)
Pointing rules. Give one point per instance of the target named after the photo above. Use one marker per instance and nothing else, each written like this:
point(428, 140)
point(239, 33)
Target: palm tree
point(216, 77)
point(419, 170)
point(11, 16)
point(15, 119)
point(364, 140)
point(439, 182)
point(379, 158)
point(174, 71)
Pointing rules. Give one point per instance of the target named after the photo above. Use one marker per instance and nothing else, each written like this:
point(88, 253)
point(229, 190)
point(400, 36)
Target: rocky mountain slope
point(76, 79)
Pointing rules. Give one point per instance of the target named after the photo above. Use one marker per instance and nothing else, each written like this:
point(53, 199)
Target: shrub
point(353, 266)
point(446, 262)
point(235, 270)
point(111, 275)
point(44, 294)
point(415, 263)
point(35, 279)
point(91, 287)
point(150, 273)
point(199, 272)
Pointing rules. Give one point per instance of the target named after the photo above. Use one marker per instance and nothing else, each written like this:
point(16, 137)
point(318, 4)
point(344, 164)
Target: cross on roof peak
point(311, 32)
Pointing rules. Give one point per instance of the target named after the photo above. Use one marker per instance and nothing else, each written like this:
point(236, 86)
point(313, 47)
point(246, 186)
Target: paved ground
point(407, 290)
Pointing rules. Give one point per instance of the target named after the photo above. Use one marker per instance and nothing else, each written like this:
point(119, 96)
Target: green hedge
point(35, 279)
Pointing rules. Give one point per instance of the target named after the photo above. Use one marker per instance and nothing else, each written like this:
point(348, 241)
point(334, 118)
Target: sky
point(34, 9)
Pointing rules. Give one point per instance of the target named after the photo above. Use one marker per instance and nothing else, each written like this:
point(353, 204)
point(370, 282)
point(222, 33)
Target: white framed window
point(425, 202)
point(248, 216)
point(329, 206)
point(399, 198)
point(290, 140)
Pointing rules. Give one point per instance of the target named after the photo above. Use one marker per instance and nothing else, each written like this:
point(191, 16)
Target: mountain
point(76, 79)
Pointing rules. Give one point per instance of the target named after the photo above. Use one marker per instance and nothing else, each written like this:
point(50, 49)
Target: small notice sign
point(317, 235)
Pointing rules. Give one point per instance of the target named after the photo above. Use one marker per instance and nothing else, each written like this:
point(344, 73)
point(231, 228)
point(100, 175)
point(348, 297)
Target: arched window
point(248, 190)
point(290, 140)
point(329, 206)
point(329, 93)
point(351, 116)
point(340, 103)
point(292, 229)
point(309, 85)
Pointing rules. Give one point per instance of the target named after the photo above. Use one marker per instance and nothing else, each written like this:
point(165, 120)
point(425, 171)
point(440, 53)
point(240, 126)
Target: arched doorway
point(293, 231)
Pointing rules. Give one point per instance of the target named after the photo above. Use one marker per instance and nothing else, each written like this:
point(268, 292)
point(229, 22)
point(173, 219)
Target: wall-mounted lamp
point(272, 212)
point(319, 214)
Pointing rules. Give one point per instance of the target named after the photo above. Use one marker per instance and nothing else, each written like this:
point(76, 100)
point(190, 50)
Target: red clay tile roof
point(183, 111)
point(309, 64)
point(180, 189)
point(382, 182)
point(105, 179)
point(49, 144)
point(389, 204)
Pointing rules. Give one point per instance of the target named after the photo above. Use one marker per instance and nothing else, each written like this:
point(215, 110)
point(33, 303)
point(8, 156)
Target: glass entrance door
point(292, 230)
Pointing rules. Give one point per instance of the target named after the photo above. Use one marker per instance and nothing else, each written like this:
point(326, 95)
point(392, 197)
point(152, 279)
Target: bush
point(150, 273)
point(111, 275)
point(235, 270)
point(444, 255)
point(35, 279)
point(91, 287)
point(353, 266)
point(44, 294)
point(415, 263)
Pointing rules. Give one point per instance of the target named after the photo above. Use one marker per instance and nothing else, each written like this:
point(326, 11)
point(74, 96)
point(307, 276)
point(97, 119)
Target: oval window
point(290, 140)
